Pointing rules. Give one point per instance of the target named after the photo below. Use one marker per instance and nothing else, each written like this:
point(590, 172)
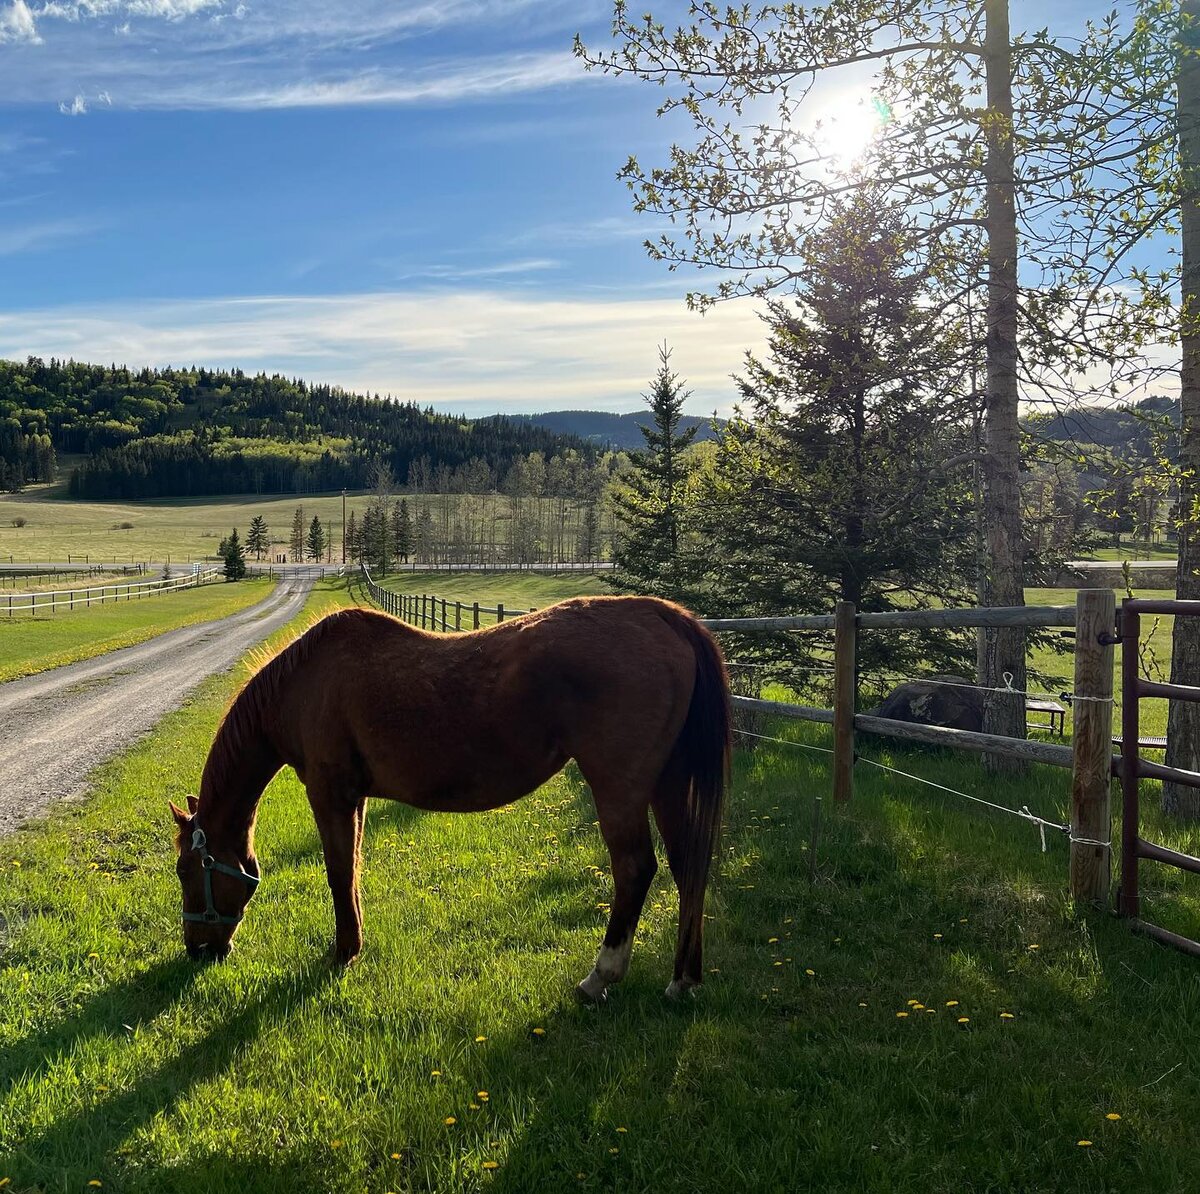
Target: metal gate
point(1131, 767)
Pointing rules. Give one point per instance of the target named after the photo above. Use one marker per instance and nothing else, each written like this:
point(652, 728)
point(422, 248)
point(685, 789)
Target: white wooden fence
point(51, 601)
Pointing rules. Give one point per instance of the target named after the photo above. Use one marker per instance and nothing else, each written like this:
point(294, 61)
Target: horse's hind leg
point(670, 813)
point(626, 831)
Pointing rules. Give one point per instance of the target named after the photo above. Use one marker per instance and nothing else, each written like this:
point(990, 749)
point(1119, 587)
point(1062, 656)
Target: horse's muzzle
point(208, 953)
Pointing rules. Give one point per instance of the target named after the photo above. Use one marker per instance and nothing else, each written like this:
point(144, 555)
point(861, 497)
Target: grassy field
point(183, 528)
point(35, 644)
point(931, 1015)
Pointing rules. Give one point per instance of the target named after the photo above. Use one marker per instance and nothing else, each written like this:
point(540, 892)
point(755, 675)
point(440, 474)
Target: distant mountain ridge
point(609, 430)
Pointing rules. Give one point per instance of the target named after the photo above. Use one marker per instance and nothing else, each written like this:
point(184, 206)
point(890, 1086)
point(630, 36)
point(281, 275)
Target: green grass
point(1135, 551)
point(516, 590)
point(123, 1063)
point(34, 644)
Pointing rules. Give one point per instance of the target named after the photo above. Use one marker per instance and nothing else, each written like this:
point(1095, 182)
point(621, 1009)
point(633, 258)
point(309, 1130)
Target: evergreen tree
point(296, 542)
point(589, 534)
point(651, 504)
point(402, 531)
point(315, 542)
point(836, 488)
point(353, 546)
point(235, 562)
point(258, 539)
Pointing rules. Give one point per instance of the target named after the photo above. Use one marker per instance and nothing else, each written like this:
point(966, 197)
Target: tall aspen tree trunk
point(1183, 725)
point(1004, 649)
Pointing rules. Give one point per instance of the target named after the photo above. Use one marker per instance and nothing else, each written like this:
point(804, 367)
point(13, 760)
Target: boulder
point(938, 701)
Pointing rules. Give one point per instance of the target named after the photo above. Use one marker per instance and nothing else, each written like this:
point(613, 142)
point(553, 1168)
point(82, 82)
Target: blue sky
point(415, 197)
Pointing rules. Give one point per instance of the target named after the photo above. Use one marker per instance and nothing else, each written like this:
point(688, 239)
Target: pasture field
point(931, 1014)
point(30, 644)
point(517, 590)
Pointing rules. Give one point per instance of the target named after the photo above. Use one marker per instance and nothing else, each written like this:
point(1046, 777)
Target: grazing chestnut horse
point(632, 688)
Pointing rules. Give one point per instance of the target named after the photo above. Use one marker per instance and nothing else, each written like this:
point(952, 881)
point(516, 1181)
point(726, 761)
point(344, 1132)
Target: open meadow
point(930, 1014)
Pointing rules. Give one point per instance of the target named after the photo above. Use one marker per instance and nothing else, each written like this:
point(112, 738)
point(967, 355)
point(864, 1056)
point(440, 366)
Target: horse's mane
point(272, 667)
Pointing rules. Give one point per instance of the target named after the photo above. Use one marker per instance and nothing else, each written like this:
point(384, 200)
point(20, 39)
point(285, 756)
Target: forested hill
point(609, 430)
point(187, 432)
point(1144, 430)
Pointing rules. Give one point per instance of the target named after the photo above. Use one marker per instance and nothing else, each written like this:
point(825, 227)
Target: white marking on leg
point(612, 964)
point(680, 987)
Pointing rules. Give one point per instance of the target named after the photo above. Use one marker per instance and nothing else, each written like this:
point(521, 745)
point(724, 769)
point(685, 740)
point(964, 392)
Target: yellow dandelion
point(622, 1129)
point(1084, 1143)
point(952, 1003)
point(1035, 947)
point(4, 1182)
point(1006, 1015)
point(772, 940)
point(482, 1095)
point(614, 1151)
point(937, 936)
point(810, 973)
point(964, 1019)
point(491, 1164)
point(480, 1039)
point(962, 920)
point(918, 1007)
point(395, 1156)
point(837, 941)
point(448, 1121)
point(911, 1002)
point(102, 1089)
point(435, 1073)
point(93, 955)
point(17, 863)
point(901, 1015)
point(931, 1011)
point(776, 963)
point(335, 1144)
point(539, 1032)
point(1113, 1115)
point(862, 1004)
point(473, 1106)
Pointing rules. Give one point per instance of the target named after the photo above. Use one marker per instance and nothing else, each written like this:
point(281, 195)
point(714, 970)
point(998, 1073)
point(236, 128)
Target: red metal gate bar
point(1131, 767)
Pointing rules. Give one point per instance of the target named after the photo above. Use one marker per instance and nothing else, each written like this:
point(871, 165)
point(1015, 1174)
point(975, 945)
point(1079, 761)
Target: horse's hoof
point(681, 988)
point(342, 957)
point(591, 994)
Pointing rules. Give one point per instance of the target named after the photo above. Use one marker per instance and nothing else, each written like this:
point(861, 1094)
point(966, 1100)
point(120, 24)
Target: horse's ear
point(181, 818)
point(193, 805)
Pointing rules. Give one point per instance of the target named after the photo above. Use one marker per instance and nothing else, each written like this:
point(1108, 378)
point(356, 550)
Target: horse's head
point(217, 885)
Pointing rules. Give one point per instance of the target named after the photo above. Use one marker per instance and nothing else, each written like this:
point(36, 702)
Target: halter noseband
point(210, 915)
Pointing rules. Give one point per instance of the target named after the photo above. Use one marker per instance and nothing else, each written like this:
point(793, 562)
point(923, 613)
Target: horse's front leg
point(339, 824)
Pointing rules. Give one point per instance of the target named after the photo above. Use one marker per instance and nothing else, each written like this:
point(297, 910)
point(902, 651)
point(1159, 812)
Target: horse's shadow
point(88, 1136)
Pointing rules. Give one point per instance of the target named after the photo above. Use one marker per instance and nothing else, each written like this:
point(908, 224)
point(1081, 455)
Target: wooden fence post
point(499, 611)
point(845, 669)
point(1091, 744)
point(445, 625)
point(475, 616)
point(458, 615)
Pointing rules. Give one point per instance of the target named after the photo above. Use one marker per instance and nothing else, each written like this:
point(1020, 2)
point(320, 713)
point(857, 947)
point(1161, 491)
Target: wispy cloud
point(30, 237)
point(17, 23)
point(75, 107)
point(438, 83)
point(476, 351)
point(457, 273)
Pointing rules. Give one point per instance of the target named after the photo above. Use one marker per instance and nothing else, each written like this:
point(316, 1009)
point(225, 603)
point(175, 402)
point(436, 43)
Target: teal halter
point(210, 915)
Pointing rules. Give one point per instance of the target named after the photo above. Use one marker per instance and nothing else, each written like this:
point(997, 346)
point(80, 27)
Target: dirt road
point(57, 726)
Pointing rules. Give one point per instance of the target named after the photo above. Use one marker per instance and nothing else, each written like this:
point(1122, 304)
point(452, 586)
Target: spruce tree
point(235, 562)
point(315, 541)
point(651, 504)
point(353, 546)
point(296, 542)
point(258, 539)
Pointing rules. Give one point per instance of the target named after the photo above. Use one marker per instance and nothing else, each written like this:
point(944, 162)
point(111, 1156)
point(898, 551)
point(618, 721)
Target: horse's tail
point(702, 753)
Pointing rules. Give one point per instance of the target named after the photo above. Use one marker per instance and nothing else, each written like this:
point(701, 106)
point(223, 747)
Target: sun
point(849, 127)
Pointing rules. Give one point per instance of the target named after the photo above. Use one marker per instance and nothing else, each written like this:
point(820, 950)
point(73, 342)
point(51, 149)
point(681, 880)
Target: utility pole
point(343, 528)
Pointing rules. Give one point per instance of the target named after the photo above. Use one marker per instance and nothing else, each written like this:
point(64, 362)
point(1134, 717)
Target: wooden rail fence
point(1089, 757)
point(12, 604)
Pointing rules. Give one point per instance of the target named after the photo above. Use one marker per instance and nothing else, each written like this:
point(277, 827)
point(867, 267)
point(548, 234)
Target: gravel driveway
point(57, 726)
